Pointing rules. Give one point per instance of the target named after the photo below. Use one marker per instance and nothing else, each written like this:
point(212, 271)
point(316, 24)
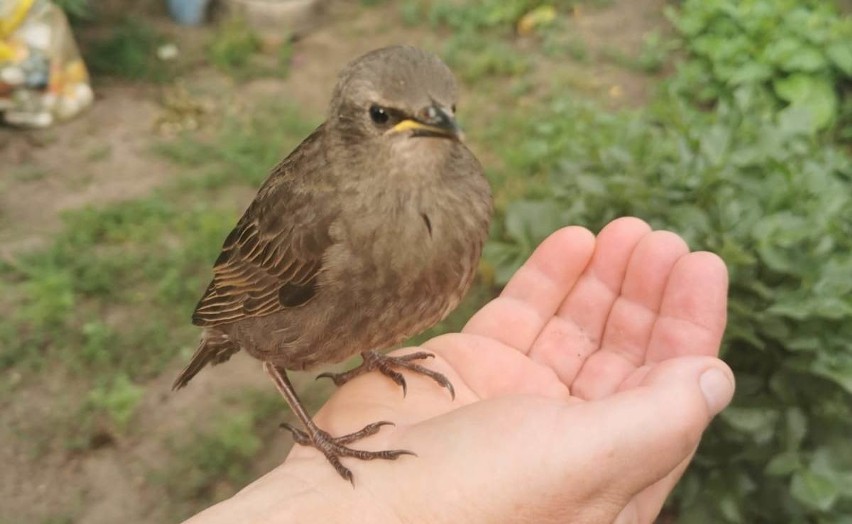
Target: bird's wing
point(272, 258)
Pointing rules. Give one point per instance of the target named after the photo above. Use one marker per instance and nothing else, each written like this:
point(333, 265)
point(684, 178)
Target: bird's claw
point(336, 447)
point(385, 364)
point(335, 377)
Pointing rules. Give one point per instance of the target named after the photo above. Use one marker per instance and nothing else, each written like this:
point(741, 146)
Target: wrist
point(298, 491)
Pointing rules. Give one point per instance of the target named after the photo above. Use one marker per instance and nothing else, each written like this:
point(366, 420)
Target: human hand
point(581, 395)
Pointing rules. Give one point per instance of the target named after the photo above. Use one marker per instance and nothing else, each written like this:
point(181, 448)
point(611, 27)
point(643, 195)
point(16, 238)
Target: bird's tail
point(215, 347)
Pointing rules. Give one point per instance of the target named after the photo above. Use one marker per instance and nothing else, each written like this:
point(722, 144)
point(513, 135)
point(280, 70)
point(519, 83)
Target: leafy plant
point(129, 51)
point(480, 14)
point(471, 49)
point(476, 58)
point(118, 399)
point(232, 46)
point(216, 460)
point(245, 150)
point(76, 9)
point(654, 52)
point(236, 50)
point(799, 51)
point(107, 261)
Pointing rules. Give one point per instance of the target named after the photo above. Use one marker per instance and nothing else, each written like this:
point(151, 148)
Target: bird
point(369, 232)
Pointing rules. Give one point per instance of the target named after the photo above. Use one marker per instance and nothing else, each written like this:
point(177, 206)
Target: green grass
point(28, 173)
point(118, 398)
point(129, 51)
point(106, 263)
point(99, 153)
point(650, 59)
point(236, 51)
point(216, 459)
point(109, 299)
point(232, 47)
point(475, 59)
point(244, 151)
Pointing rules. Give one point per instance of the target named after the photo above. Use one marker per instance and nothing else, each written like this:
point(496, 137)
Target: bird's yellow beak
point(435, 122)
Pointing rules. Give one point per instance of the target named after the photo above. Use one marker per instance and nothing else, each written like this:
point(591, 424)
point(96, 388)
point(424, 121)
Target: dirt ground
point(107, 484)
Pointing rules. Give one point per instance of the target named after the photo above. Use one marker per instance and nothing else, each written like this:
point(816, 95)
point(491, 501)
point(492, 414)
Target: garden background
point(726, 121)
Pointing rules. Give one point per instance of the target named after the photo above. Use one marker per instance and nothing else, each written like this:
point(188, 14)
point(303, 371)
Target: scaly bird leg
point(332, 447)
point(373, 360)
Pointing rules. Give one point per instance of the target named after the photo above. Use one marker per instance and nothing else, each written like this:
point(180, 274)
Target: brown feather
point(266, 255)
point(215, 348)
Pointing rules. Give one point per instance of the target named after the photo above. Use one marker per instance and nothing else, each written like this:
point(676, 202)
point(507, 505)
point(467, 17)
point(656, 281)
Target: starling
point(368, 233)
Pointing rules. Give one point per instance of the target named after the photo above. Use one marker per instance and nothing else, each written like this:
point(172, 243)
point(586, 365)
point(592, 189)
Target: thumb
point(641, 434)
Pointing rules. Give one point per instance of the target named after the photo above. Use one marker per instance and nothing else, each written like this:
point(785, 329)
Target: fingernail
point(717, 389)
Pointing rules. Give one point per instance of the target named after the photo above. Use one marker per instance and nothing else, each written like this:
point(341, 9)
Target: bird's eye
point(453, 108)
point(379, 114)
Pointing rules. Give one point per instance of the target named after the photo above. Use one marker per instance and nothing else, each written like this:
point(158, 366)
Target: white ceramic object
point(278, 18)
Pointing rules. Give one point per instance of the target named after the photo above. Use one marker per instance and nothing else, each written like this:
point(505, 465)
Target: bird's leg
point(332, 447)
point(373, 360)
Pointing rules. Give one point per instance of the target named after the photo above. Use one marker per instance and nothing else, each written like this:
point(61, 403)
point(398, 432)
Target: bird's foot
point(335, 447)
point(373, 360)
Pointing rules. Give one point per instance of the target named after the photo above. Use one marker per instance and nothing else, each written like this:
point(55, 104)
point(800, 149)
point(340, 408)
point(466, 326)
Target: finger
point(576, 330)
point(534, 293)
point(693, 311)
point(634, 313)
point(646, 432)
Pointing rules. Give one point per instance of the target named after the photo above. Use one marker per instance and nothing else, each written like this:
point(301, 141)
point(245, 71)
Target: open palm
point(577, 395)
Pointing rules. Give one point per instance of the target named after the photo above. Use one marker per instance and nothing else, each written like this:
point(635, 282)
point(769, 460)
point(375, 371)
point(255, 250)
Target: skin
point(582, 393)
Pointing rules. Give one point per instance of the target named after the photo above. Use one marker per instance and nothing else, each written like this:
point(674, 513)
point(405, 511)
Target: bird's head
point(395, 94)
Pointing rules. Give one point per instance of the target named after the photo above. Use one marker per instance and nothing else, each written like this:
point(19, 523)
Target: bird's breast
point(401, 233)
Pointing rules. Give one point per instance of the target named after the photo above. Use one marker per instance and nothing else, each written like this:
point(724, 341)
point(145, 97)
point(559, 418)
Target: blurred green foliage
point(108, 263)
point(129, 50)
point(235, 49)
point(218, 456)
point(222, 452)
point(801, 52)
point(653, 54)
point(245, 149)
point(118, 398)
point(468, 53)
point(76, 9)
point(464, 17)
point(232, 46)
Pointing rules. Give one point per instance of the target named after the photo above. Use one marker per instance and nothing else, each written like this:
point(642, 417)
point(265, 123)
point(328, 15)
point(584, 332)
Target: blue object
point(188, 12)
